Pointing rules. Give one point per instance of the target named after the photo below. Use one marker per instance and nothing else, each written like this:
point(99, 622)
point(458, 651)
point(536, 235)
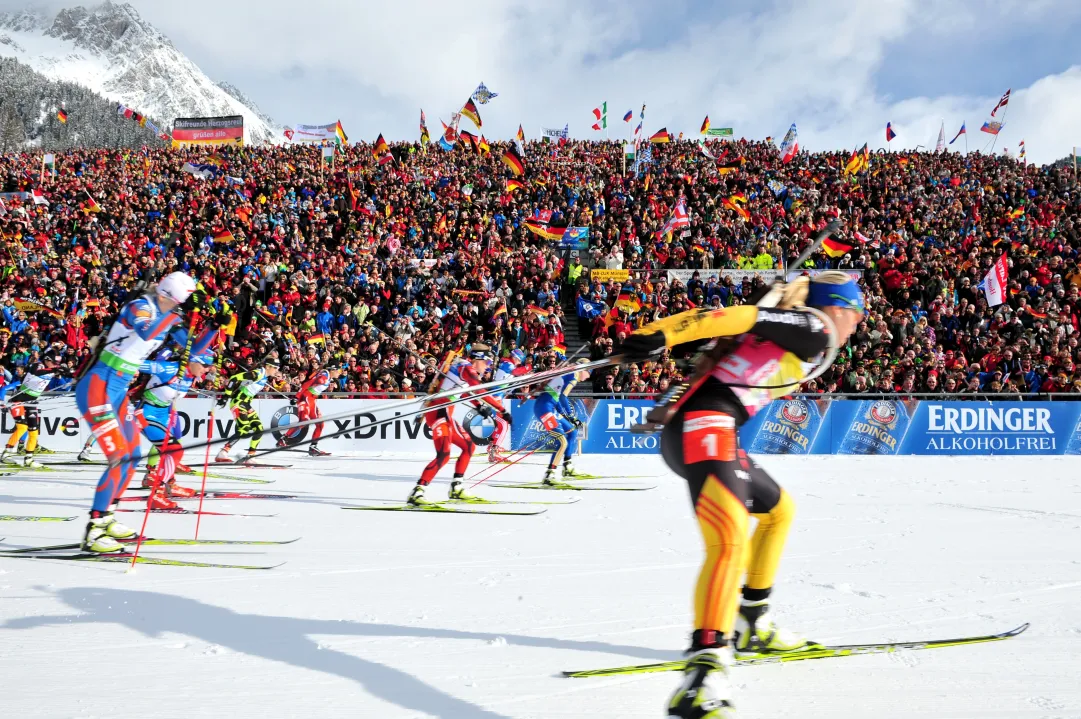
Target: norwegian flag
point(679, 219)
point(1001, 103)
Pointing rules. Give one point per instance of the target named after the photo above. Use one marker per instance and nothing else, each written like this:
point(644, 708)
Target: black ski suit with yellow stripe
point(771, 354)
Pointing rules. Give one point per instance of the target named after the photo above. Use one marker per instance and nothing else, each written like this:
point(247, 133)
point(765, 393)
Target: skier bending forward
point(770, 354)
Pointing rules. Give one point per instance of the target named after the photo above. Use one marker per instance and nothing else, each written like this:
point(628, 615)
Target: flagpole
point(966, 138)
point(1004, 111)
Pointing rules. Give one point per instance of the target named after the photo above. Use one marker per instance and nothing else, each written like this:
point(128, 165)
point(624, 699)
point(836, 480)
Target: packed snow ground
point(386, 615)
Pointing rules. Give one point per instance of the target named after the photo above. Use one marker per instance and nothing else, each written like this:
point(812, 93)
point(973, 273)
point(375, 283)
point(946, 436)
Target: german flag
point(91, 204)
point(521, 134)
point(224, 235)
point(468, 138)
point(317, 339)
point(381, 146)
point(514, 161)
point(482, 146)
point(441, 225)
point(836, 248)
point(735, 202)
point(1015, 214)
point(731, 166)
point(855, 161)
point(660, 135)
point(542, 230)
point(469, 109)
point(628, 301)
point(533, 309)
point(513, 185)
point(62, 116)
point(705, 126)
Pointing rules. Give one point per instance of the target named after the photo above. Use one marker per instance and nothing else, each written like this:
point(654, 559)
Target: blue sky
point(840, 69)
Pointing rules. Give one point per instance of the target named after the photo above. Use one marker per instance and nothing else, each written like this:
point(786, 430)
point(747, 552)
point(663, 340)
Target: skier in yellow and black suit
point(771, 352)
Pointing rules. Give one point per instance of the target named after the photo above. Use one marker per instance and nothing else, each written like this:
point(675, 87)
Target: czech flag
point(890, 134)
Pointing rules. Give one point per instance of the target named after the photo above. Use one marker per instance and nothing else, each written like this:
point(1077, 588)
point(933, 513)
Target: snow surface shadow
point(289, 640)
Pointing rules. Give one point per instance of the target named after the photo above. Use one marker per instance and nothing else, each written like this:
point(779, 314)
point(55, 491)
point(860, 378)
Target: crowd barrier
point(792, 426)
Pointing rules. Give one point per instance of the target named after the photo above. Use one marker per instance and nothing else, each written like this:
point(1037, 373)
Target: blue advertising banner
point(822, 426)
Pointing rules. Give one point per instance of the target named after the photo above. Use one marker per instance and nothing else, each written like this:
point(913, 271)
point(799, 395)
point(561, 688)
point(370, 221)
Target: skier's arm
point(471, 378)
point(795, 330)
point(138, 317)
point(163, 371)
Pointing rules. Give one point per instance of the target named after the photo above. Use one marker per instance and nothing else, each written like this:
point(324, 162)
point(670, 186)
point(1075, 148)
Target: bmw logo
point(281, 424)
point(479, 428)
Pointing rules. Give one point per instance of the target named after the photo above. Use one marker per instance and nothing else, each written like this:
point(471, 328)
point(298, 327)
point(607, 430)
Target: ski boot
point(96, 539)
point(458, 492)
point(569, 472)
point(160, 500)
point(223, 456)
point(417, 497)
point(30, 463)
point(706, 692)
point(281, 444)
point(5, 457)
point(756, 634)
point(150, 477)
point(172, 489)
point(314, 451)
point(183, 469)
point(248, 458)
point(497, 456)
point(84, 456)
point(40, 450)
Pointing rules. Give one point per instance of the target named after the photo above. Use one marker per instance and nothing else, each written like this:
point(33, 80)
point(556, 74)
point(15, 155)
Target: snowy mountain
point(112, 51)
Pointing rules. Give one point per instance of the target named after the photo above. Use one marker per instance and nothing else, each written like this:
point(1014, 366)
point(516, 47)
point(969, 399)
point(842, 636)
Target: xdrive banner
point(822, 426)
point(63, 429)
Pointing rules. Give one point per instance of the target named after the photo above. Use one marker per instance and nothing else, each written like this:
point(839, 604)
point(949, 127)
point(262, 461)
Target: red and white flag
point(994, 284)
point(39, 197)
point(1002, 103)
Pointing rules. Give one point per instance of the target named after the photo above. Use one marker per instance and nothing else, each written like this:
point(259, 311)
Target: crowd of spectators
point(386, 263)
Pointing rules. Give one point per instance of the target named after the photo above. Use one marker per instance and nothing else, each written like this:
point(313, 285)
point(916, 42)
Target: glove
point(505, 416)
point(642, 346)
point(222, 317)
point(575, 422)
point(485, 411)
point(196, 301)
point(222, 400)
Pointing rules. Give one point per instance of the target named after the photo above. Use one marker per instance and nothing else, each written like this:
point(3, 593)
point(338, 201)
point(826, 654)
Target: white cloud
point(813, 62)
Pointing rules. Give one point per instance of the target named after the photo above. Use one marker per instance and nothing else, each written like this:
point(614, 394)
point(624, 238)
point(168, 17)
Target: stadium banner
point(64, 430)
point(317, 133)
point(857, 275)
point(191, 131)
point(599, 275)
point(737, 276)
point(719, 132)
point(800, 425)
point(806, 425)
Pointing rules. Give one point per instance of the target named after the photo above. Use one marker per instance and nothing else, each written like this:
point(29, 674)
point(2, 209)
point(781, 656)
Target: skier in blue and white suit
point(554, 411)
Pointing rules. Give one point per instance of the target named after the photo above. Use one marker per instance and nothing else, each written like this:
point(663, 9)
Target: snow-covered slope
point(114, 52)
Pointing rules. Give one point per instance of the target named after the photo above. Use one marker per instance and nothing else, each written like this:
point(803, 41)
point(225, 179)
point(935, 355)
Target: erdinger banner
point(606, 427)
point(190, 131)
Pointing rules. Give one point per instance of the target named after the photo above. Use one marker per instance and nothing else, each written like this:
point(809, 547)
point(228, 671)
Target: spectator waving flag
point(789, 145)
point(1003, 101)
point(705, 126)
point(835, 247)
point(959, 133)
point(601, 114)
point(380, 146)
point(62, 116)
point(469, 109)
point(660, 136)
point(483, 95)
point(995, 282)
point(424, 137)
point(514, 161)
point(91, 204)
point(521, 134)
point(890, 134)
point(991, 128)
point(679, 220)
